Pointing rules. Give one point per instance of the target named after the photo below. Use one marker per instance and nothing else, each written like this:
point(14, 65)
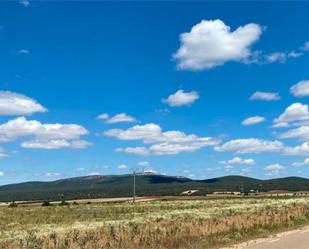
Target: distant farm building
point(189, 192)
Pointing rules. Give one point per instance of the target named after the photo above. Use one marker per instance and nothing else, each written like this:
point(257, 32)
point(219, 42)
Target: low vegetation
point(191, 223)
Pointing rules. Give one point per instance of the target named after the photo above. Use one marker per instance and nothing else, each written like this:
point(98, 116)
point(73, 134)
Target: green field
point(170, 223)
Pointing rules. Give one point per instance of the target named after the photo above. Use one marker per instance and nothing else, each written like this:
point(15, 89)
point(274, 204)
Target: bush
point(63, 203)
point(13, 204)
point(46, 204)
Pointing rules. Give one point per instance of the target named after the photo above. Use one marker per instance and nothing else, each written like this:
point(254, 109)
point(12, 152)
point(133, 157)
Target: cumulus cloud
point(265, 96)
point(17, 104)
point(275, 166)
point(118, 118)
point(181, 98)
point(274, 169)
point(141, 151)
point(176, 148)
point(55, 144)
point(301, 133)
point(238, 160)
point(1, 173)
point(21, 127)
point(295, 113)
point(301, 89)
point(103, 116)
point(302, 149)
point(45, 135)
point(138, 132)
point(251, 145)
point(166, 148)
point(211, 43)
point(163, 143)
point(253, 120)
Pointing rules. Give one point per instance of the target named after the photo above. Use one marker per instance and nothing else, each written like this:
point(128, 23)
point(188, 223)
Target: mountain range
point(106, 186)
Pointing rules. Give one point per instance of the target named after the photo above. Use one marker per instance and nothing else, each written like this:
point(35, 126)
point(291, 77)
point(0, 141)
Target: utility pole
point(134, 172)
point(242, 189)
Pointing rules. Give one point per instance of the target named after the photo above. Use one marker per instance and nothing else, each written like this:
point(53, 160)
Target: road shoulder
point(271, 238)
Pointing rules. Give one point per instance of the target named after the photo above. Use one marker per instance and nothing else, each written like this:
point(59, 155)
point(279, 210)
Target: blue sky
point(200, 89)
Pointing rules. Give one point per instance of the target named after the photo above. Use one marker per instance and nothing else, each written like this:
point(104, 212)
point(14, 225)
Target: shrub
point(46, 204)
point(63, 203)
point(13, 204)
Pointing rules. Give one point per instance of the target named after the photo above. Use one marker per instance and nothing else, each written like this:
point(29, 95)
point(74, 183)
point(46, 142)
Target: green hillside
point(146, 185)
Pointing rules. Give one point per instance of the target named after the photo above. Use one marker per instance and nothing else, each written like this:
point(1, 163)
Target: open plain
point(160, 223)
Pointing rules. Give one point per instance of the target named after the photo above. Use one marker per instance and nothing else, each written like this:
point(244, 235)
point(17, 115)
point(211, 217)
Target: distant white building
point(189, 192)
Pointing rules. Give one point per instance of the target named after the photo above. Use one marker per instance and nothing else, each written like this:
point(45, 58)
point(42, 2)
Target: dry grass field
point(169, 223)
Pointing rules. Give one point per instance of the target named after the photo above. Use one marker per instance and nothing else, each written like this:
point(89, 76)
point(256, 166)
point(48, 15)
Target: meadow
point(166, 223)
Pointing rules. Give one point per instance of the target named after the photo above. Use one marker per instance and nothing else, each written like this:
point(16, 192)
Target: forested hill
point(146, 185)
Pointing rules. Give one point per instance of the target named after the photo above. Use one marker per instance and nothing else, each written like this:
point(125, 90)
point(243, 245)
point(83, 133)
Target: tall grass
point(159, 224)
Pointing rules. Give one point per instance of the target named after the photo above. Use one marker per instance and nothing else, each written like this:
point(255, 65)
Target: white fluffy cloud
point(1, 173)
point(138, 132)
point(299, 150)
point(253, 120)
point(21, 127)
point(274, 169)
point(141, 151)
point(301, 89)
point(181, 98)
point(238, 160)
point(103, 116)
point(295, 113)
point(275, 166)
point(17, 104)
point(163, 143)
point(211, 43)
point(301, 133)
point(251, 145)
point(46, 136)
point(265, 96)
point(118, 118)
point(55, 144)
